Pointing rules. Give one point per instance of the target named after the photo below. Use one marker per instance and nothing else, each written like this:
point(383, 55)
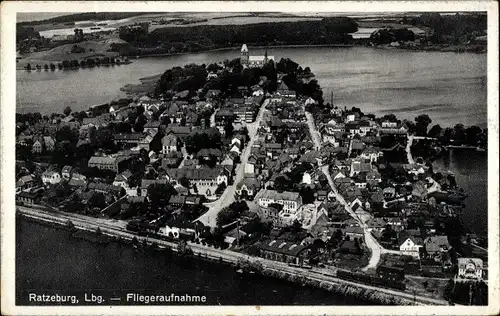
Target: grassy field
point(61, 53)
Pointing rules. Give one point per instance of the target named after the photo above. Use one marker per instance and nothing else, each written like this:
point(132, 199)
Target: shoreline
point(334, 285)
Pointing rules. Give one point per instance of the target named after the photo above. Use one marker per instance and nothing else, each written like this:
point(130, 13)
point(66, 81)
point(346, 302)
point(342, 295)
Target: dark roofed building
point(283, 251)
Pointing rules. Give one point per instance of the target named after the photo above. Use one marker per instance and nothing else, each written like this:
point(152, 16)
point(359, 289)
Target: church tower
point(265, 57)
point(244, 55)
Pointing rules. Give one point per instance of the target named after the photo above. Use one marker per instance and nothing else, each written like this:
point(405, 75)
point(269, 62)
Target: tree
point(459, 135)
point(422, 122)
point(228, 128)
point(67, 111)
point(472, 135)
point(97, 200)
point(159, 194)
point(220, 189)
point(307, 195)
point(435, 131)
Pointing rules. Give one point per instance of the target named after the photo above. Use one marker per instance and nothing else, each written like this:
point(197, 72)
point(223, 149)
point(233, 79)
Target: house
point(152, 127)
point(436, 245)
point(371, 153)
point(354, 231)
point(169, 143)
point(291, 201)
point(171, 160)
point(37, 147)
point(66, 172)
point(145, 183)
point(283, 251)
point(141, 140)
point(376, 224)
point(27, 198)
point(104, 188)
point(177, 200)
point(105, 162)
point(50, 145)
point(180, 131)
point(51, 177)
point(470, 269)
point(248, 187)
point(203, 180)
point(122, 179)
point(411, 246)
point(24, 183)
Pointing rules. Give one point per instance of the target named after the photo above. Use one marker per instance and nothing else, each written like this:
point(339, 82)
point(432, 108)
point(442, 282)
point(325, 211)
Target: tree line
point(73, 64)
point(333, 30)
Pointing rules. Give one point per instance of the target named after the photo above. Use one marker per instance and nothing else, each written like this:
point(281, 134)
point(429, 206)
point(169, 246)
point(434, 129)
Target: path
point(409, 157)
point(227, 197)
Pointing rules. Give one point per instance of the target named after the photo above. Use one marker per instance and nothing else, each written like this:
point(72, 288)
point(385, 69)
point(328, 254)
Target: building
point(470, 269)
point(253, 61)
point(37, 147)
point(141, 140)
point(169, 143)
point(106, 162)
point(411, 246)
point(283, 251)
point(50, 145)
point(203, 180)
point(248, 187)
point(291, 201)
point(436, 245)
point(104, 188)
point(24, 183)
point(27, 198)
point(51, 177)
point(66, 172)
point(122, 179)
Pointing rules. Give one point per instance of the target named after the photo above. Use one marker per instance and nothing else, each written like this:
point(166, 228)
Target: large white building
point(253, 61)
point(291, 201)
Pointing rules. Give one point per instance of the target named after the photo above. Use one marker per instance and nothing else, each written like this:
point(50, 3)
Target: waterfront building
point(283, 251)
point(470, 269)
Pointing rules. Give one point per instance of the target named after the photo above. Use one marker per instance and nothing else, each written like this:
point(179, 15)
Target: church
point(253, 61)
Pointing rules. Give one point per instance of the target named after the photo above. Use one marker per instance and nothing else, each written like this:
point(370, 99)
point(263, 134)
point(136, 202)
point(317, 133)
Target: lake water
point(450, 87)
point(48, 260)
point(471, 173)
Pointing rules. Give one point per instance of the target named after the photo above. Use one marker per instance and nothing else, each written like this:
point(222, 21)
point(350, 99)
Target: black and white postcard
point(249, 158)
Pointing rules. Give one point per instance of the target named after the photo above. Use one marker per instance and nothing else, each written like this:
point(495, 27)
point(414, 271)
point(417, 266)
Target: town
point(248, 156)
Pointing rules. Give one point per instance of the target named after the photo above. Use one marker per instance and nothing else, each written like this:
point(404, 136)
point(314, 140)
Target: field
point(61, 53)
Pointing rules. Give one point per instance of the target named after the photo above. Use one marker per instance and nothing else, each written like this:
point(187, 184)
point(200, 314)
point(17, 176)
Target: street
point(227, 197)
point(370, 241)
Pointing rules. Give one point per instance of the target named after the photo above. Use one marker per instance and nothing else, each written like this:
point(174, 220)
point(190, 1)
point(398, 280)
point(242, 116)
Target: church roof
point(244, 48)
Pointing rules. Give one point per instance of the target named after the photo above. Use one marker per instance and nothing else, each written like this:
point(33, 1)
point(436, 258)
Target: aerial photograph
point(251, 158)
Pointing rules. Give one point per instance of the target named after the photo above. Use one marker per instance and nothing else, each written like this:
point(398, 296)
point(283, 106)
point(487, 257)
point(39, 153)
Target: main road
point(375, 248)
point(227, 197)
point(116, 228)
